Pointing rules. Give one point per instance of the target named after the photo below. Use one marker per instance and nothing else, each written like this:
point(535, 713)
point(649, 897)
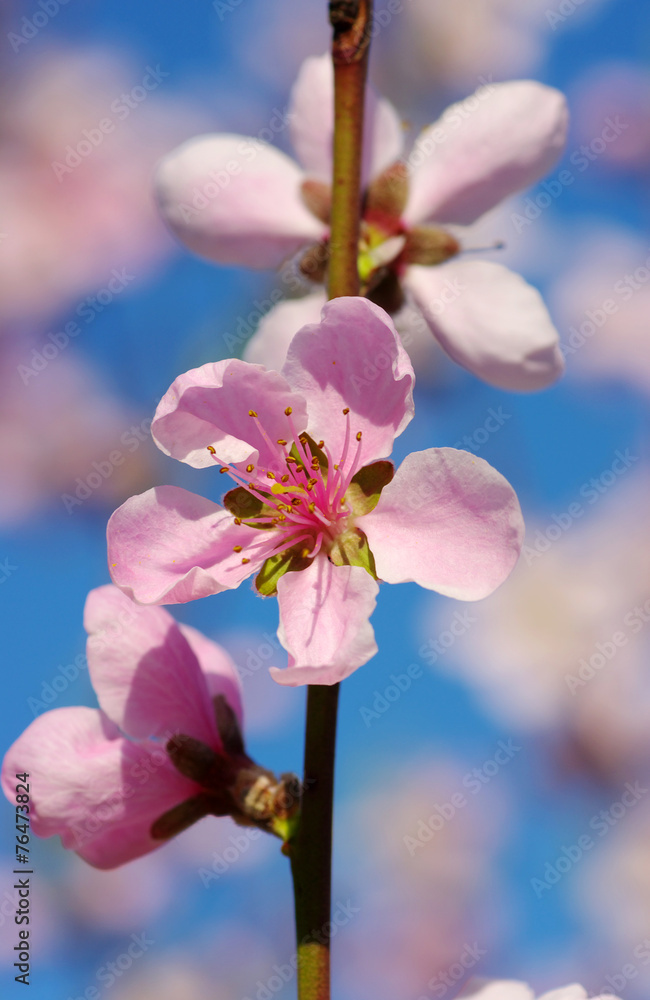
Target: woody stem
point(351, 43)
point(311, 849)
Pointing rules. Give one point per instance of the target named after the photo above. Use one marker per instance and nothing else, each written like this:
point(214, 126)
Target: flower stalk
point(311, 849)
point(351, 22)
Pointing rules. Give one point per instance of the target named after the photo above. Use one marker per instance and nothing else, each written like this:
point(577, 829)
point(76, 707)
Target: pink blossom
point(65, 228)
point(602, 298)
point(100, 778)
point(535, 653)
point(613, 888)
point(443, 45)
point(305, 448)
point(269, 344)
point(509, 989)
point(56, 426)
point(611, 113)
point(429, 886)
point(238, 201)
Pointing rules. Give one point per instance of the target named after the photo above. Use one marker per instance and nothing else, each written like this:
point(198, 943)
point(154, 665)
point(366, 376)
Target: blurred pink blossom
point(75, 197)
point(57, 429)
point(602, 300)
point(615, 93)
point(435, 877)
point(562, 648)
point(236, 200)
point(613, 890)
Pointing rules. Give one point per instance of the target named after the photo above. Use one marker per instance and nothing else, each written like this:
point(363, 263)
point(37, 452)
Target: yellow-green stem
point(350, 57)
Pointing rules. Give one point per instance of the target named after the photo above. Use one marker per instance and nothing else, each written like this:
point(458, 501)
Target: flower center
point(386, 245)
point(298, 500)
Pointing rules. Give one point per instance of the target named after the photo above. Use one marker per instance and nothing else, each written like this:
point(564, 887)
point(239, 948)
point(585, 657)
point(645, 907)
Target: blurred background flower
point(561, 649)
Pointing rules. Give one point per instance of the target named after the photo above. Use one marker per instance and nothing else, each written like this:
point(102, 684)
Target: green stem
point(350, 49)
point(311, 848)
point(311, 851)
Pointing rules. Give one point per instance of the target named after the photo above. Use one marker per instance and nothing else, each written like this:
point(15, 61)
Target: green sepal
point(316, 452)
point(244, 505)
point(365, 488)
point(352, 549)
point(366, 264)
point(285, 827)
point(266, 581)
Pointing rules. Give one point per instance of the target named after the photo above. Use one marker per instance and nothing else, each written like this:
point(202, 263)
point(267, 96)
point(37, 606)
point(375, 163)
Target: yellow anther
point(296, 501)
point(281, 441)
point(244, 561)
point(238, 520)
point(285, 478)
point(288, 411)
point(237, 548)
point(224, 468)
point(359, 435)
point(346, 411)
point(305, 553)
point(336, 467)
point(312, 507)
point(212, 450)
point(251, 486)
point(270, 475)
point(290, 460)
point(252, 413)
point(311, 483)
point(321, 444)
point(249, 468)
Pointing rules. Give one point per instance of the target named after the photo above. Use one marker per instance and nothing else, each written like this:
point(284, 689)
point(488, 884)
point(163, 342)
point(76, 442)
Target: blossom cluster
point(302, 431)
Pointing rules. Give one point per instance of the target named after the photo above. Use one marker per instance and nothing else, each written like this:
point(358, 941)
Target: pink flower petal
point(485, 148)
point(324, 622)
point(98, 791)
point(218, 669)
point(353, 359)
point(490, 321)
point(145, 674)
point(168, 546)
point(449, 522)
point(269, 345)
point(312, 123)
point(235, 200)
point(210, 406)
